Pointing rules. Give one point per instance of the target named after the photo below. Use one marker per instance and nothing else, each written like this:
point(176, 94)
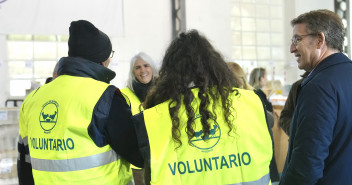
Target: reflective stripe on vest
point(74, 164)
point(264, 180)
point(27, 157)
point(23, 141)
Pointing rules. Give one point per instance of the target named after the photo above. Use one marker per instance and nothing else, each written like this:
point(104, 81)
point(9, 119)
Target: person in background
point(240, 76)
point(287, 111)
point(320, 144)
point(141, 76)
point(49, 79)
point(196, 127)
point(258, 81)
point(72, 129)
point(241, 82)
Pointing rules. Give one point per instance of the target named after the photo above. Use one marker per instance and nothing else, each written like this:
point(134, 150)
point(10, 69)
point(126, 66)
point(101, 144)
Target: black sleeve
point(143, 143)
point(270, 119)
point(121, 135)
point(24, 168)
point(287, 111)
point(286, 114)
point(267, 103)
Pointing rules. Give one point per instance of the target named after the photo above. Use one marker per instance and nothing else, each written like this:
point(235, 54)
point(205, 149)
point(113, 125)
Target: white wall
point(303, 6)
point(53, 17)
point(213, 19)
point(4, 86)
point(147, 28)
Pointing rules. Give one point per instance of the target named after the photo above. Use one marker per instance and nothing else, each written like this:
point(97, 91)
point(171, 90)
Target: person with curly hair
point(197, 128)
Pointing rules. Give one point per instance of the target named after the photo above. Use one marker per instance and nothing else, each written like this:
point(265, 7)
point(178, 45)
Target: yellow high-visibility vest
point(241, 157)
point(133, 100)
point(54, 121)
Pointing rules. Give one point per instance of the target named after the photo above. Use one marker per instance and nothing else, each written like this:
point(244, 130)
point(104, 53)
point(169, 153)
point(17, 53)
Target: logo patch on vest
point(48, 116)
point(206, 142)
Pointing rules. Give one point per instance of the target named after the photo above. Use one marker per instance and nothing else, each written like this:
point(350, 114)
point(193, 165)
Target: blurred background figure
point(258, 81)
point(241, 82)
point(141, 76)
point(240, 76)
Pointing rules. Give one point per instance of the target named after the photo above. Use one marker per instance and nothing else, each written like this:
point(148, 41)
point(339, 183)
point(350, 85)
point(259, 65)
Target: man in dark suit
point(320, 144)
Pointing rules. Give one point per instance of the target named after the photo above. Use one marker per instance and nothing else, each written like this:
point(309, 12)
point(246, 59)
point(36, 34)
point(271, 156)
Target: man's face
point(304, 47)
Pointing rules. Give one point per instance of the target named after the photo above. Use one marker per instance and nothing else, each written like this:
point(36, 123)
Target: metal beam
point(178, 17)
point(343, 11)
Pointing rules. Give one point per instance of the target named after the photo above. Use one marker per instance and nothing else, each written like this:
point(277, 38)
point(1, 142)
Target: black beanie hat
point(88, 42)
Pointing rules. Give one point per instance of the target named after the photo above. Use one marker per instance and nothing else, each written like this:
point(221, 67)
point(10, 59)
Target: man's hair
point(324, 21)
point(191, 61)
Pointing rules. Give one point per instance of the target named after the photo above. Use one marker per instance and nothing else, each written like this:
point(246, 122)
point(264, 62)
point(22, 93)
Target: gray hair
point(148, 60)
point(324, 21)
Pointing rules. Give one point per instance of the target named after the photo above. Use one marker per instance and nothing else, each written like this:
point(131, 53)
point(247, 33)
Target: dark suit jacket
point(320, 144)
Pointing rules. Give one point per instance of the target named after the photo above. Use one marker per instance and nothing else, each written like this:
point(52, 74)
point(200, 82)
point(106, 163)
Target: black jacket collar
point(331, 60)
point(76, 66)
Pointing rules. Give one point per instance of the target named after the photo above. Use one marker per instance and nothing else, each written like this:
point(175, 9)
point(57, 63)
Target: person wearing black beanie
point(88, 42)
point(81, 135)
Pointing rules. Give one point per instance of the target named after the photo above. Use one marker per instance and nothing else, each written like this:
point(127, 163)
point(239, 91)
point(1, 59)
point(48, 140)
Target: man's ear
point(321, 40)
point(106, 63)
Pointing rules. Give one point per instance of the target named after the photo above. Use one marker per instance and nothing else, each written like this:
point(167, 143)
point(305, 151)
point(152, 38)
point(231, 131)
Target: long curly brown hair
point(191, 60)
